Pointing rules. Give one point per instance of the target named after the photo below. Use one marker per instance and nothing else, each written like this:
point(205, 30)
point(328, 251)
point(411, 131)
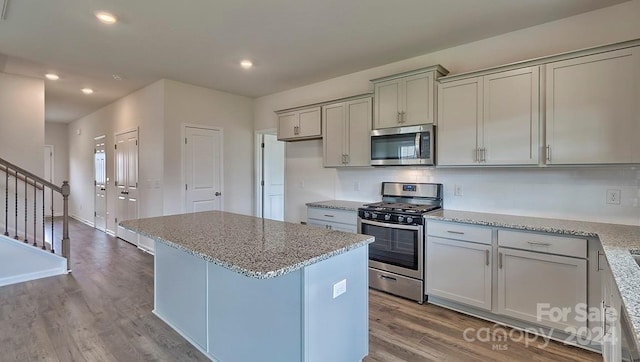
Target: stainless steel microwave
point(403, 146)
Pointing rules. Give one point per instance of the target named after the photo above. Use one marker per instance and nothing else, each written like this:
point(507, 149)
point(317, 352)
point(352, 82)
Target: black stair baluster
point(16, 208)
point(26, 197)
point(52, 238)
point(35, 208)
point(44, 237)
point(6, 201)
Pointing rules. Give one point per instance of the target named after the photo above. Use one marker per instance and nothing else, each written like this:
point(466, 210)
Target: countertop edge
point(345, 205)
point(252, 273)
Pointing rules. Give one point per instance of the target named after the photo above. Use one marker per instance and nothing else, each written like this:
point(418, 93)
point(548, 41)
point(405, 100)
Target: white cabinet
point(610, 309)
point(406, 99)
point(532, 286)
point(593, 109)
point(347, 133)
point(333, 219)
point(299, 124)
point(469, 282)
point(490, 120)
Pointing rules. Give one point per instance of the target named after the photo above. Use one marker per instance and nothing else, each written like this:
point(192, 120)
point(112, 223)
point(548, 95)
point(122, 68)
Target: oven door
point(397, 248)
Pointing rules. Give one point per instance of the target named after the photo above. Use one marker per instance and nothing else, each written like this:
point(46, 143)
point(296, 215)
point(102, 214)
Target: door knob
point(218, 193)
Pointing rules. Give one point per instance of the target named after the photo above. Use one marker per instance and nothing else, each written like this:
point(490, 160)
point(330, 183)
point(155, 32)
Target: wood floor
point(102, 312)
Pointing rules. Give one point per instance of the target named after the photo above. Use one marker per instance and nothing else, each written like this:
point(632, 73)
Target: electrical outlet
point(457, 190)
point(613, 196)
point(339, 288)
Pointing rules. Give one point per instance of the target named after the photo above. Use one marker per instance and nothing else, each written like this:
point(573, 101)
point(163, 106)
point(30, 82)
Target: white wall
point(188, 104)
point(143, 109)
point(22, 121)
point(569, 193)
point(55, 134)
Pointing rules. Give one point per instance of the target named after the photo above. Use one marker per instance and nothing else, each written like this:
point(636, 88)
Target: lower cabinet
point(334, 219)
point(543, 289)
point(469, 281)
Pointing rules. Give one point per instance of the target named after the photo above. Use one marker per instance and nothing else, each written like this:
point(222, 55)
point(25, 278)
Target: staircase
point(28, 246)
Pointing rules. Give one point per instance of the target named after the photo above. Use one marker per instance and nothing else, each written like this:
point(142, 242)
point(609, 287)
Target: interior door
point(100, 184)
point(203, 162)
point(126, 151)
point(273, 178)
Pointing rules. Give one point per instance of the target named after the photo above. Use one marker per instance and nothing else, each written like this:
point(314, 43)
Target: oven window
point(393, 246)
point(393, 147)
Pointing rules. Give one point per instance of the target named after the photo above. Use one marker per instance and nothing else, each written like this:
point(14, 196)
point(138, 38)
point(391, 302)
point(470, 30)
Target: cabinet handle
point(537, 243)
point(598, 261)
point(486, 253)
point(329, 215)
point(499, 260)
point(346, 159)
point(402, 116)
point(455, 232)
point(475, 155)
point(296, 130)
point(548, 153)
point(483, 152)
point(399, 117)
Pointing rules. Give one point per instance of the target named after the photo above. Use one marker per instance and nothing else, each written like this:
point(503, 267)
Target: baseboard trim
point(82, 220)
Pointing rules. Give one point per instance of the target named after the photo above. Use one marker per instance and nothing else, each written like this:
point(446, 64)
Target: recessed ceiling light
point(52, 76)
point(106, 18)
point(246, 64)
point(87, 90)
point(117, 77)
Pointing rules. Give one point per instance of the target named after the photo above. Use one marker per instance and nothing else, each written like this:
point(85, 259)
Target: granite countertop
point(255, 247)
point(616, 241)
point(337, 204)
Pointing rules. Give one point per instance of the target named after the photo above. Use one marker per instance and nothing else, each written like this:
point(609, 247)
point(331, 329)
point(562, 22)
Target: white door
point(48, 175)
point(470, 283)
point(529, 282)
point(126, 162)
point(273, 178)
point(202, 171)
point(100, 184)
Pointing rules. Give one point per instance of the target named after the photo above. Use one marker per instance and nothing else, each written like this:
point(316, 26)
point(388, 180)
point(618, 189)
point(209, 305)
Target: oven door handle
point(394, 226)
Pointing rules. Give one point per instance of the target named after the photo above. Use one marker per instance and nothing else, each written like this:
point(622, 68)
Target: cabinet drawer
point(543, 243)
point(476, 234)
point(332, 215)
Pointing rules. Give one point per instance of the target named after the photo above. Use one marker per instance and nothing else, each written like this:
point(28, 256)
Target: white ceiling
point(291, 42)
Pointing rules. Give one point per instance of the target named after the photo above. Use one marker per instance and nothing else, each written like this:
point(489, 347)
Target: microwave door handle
point(418, 150)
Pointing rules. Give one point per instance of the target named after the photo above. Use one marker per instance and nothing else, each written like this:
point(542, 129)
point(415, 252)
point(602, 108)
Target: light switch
point(339, 288)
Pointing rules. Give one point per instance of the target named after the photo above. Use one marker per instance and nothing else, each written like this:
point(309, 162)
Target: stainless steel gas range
point(396, 257)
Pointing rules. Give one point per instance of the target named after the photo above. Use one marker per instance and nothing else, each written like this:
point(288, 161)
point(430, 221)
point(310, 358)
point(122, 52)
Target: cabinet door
point(529, 282)
point(510, 123)
point(387, 104)
point(333, 138)
point(286, 125)
point(592, 109)
point(459, 111)
point(358, 132)
point(309, 121)
point(470, 282)
point(417, 97)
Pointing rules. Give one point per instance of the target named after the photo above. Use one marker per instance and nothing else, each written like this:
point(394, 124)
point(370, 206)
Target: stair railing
point(34, 185)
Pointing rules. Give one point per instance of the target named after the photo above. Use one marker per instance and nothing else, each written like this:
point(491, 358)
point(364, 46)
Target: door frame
point(183, 178)
point(259, 171)
point(106, 189)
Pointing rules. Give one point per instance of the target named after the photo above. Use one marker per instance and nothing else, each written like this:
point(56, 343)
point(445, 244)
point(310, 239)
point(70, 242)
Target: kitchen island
point(241, 288)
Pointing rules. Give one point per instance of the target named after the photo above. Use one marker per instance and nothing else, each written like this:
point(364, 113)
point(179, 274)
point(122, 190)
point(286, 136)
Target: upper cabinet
point(299, 124)
point(489, 120)
point(406, 99)
point(347, 133)
point(593, 109)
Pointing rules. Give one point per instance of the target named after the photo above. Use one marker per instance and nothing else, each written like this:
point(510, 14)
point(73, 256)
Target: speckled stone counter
point(616, 241)
point(337, 204)
point(248, 245)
